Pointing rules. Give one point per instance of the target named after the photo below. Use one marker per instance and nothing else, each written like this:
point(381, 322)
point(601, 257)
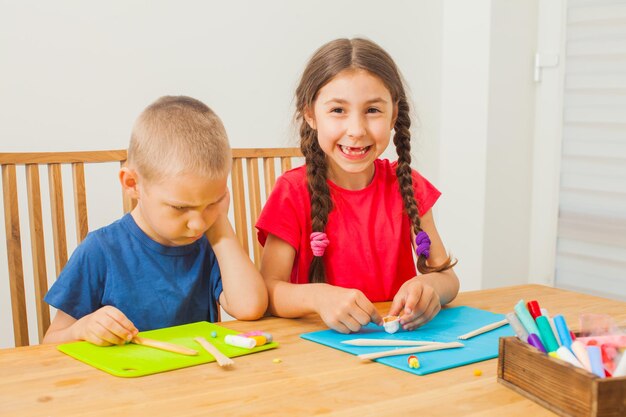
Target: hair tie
point(319, 241)
point(422, 243)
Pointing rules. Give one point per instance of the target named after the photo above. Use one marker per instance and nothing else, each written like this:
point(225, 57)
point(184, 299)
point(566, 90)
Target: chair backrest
point(256, 185)
point(249, 188)
point(32, 162)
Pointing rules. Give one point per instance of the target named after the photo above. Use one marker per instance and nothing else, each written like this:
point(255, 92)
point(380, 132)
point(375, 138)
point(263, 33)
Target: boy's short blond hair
point(179, 134)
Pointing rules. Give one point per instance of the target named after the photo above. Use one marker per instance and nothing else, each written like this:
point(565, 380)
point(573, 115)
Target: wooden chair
point(243, 185)
point(259, 184)
point(32, 163)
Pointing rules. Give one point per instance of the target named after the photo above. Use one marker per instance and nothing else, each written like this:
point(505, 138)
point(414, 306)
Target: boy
point(175, 254)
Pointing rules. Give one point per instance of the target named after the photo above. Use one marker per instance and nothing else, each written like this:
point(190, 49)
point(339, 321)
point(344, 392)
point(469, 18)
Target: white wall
point(464, 122)
point(509, 143)
point(486, 130)
point(74, 75)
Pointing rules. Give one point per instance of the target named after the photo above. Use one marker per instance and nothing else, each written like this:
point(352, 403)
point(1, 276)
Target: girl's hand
point(345, 310)
point(104, 327)
point(416, 303)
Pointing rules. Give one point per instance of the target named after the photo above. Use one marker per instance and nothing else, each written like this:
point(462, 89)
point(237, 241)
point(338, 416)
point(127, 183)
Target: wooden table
point(311, 379)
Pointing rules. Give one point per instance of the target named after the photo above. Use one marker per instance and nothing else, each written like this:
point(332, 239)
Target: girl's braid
point(321, 203)
point(402, 140)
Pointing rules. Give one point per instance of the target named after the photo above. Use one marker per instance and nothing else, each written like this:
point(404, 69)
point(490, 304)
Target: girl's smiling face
point(353, 115)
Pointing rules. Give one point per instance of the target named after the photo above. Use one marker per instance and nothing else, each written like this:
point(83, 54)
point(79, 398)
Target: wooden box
point(556, 385)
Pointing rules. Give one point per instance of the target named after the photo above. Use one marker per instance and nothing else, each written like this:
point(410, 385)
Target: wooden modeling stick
point(404, 351)
point(221, 359)
point(387, 342)
point(169, 347)
point(483, 329)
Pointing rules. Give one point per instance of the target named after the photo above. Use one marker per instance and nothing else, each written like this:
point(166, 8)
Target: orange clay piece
point(478, 372)
point(260, 340)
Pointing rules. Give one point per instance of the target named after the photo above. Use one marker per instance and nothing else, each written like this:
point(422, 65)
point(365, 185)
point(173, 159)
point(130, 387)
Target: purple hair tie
point(422, 244)
point(319, 242)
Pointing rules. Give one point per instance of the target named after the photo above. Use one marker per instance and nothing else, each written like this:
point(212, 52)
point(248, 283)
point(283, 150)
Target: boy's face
point(179, 210)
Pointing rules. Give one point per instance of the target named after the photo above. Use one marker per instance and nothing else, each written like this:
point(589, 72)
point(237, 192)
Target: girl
point(338, 231)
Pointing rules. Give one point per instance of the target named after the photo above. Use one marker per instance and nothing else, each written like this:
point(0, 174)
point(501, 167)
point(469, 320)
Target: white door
point(587, 181)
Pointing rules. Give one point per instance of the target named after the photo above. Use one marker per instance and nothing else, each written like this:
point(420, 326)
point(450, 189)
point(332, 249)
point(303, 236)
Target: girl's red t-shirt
point(369, 232)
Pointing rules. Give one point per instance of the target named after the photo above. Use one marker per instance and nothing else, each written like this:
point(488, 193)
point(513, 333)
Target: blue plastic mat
point(445, 327)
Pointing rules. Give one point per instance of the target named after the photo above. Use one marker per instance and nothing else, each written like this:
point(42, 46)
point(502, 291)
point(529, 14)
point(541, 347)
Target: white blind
point(591, 246)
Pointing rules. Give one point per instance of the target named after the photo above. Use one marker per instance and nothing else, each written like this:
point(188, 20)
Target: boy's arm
point(61, 329)
point(244, 295)
point(342, 309)
point(105, 326)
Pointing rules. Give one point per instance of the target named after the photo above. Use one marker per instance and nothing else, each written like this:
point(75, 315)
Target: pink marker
point(581, 353)
point(620, 369)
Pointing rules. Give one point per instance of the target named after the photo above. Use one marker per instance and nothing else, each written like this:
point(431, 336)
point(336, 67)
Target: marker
point(561, 328)
point(535, 341)
point(546, 334)
point(581, 354)
point(616, 339)
point(609, 353)
point(620, 369)
point(517, 326)
point(544, 312)
point(524, 316)
point(566, 355)
point(533, 309)
point(595, 357)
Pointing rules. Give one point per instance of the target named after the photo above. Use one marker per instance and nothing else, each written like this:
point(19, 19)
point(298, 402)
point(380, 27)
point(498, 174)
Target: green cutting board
point(132, 360)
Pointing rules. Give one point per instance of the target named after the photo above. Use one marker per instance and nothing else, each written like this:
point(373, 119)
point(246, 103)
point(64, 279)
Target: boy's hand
point(416, 303)
point(224, 203)
point(104, 327)
point(345, 310)
point(221, 225)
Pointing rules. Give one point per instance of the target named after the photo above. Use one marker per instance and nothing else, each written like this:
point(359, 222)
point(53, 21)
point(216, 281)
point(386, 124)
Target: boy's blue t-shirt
point(154, 285)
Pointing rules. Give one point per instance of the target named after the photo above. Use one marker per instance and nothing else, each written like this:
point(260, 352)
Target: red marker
point(533, 309)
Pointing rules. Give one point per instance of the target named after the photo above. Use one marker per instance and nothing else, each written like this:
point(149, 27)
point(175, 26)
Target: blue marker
point(595, 357)
point(561, 328)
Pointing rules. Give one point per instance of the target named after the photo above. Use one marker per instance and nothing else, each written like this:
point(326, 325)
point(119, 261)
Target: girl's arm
point(285, 299)
point(445, 283)
point(420, 298)
point(342, 309)
point(244, 295)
